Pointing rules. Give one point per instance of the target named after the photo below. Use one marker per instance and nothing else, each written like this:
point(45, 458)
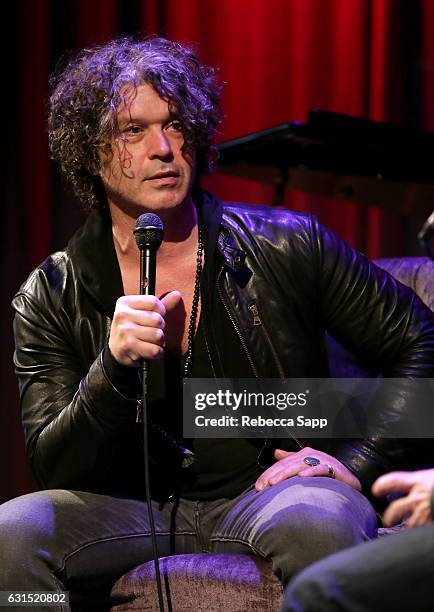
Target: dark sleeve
point(389, 327)
point(71, 417)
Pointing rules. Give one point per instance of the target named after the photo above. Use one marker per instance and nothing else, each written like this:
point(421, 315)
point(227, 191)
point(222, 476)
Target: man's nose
point(159, 145)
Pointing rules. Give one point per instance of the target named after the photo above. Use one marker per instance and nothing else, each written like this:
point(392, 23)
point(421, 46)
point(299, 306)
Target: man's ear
point(105, 151)
point(93, 168)
point(105, 154)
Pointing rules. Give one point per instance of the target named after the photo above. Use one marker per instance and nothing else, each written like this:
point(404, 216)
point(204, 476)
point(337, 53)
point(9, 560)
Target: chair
point(235, 582)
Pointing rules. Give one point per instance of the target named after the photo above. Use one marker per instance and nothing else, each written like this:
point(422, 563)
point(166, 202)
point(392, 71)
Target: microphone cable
point(144, 416)
point(148, 233)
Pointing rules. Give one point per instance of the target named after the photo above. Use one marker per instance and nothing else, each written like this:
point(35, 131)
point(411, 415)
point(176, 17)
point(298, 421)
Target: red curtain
point(278, 59)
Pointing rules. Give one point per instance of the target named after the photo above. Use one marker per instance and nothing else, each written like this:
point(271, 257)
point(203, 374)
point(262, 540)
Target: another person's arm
point(416, 507)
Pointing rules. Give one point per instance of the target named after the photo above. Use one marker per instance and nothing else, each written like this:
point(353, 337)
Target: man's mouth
point(164, 174)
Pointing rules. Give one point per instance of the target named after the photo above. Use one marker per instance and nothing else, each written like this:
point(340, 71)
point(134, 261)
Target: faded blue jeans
point(82, 542)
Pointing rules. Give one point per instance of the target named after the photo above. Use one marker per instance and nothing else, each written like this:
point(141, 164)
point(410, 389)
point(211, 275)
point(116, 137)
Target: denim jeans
point(393, 573)
point(82, 542)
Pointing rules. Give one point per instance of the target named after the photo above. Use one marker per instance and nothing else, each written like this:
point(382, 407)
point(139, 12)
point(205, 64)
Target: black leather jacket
point(297, 278)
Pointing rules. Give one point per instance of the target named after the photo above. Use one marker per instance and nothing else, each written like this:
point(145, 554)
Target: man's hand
point(291, 464)
point(137, 330)
point(414, 508)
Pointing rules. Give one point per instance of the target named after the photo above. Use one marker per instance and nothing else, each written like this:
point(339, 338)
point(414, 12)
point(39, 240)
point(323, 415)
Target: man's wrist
point(125, 379)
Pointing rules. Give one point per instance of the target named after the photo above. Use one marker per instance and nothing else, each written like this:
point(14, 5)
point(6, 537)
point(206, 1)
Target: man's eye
point(133, 130)
point(175, 125)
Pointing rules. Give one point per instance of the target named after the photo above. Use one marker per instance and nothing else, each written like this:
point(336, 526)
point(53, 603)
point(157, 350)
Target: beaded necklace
point(195, 305)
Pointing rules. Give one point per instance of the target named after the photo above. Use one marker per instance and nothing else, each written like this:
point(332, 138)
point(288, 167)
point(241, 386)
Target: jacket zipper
point(237, 329)
point(256, 321)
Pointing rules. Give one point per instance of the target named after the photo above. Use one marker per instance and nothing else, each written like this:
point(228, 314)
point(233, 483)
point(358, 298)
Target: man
point(391, 573)
point(241, 292)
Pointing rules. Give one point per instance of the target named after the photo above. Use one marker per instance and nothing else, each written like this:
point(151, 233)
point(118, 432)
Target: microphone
point(148, 233)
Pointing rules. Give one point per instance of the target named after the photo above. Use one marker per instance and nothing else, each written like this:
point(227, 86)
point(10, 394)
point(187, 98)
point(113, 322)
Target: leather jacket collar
point(93, 253)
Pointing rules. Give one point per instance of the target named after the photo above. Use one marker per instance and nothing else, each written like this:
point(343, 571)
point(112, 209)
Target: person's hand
point(291, 464)
point(414, 508)
point(137, 330)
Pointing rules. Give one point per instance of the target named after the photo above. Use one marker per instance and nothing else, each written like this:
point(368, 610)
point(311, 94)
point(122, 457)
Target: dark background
point(278, 59)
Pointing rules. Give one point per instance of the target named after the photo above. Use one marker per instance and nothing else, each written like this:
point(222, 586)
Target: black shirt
point(222, 468)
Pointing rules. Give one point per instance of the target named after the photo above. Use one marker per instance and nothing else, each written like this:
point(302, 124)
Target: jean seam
point(118, 537)
point(60, 589)
point(239, 541)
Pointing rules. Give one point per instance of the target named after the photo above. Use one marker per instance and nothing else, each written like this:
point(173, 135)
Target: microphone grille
point(148, 231)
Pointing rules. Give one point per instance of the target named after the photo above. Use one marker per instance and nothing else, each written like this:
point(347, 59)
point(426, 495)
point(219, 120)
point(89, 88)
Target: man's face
point(145, 168)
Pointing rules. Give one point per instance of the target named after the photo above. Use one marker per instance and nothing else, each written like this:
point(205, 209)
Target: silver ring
point(311, 461)
point(331, 471)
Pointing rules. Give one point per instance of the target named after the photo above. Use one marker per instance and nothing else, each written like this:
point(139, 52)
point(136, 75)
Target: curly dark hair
point(87, 93)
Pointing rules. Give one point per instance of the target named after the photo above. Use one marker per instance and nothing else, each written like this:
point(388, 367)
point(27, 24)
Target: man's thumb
point(171, 300)
point(281, 454)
